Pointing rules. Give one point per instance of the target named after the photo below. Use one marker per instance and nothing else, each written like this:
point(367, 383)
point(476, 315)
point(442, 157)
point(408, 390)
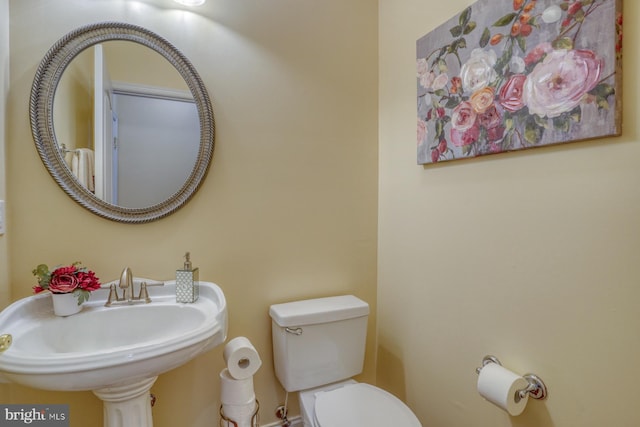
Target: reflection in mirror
point(128, 122)
point(134, 128)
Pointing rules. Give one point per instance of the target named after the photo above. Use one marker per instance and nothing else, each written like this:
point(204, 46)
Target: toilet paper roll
point(236, 392)
point(241, 357)
point(500, 386)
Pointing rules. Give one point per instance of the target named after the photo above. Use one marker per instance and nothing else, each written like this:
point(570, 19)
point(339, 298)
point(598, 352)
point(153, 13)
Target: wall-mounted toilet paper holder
point(536, 388)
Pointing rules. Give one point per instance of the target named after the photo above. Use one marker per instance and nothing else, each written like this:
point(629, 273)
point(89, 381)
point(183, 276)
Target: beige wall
point(4, 85)
point(4, 89)
point(288, 209)
point(530, 256)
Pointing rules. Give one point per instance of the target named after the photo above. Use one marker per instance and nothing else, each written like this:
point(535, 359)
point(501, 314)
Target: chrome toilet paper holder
point(536, 388)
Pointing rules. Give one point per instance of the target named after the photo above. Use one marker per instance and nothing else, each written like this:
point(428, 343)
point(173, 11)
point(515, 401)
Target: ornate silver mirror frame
point(43, 90)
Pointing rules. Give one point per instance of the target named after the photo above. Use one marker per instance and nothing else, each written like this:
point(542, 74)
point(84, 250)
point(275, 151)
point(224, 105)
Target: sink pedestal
point(127, 405)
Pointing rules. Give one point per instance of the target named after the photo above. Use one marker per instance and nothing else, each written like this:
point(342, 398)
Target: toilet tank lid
point(318, 310)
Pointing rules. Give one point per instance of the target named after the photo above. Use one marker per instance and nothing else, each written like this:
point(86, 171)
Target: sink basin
point(109, 347)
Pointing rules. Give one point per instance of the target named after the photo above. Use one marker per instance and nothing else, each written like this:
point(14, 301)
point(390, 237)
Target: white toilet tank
point(318, 341)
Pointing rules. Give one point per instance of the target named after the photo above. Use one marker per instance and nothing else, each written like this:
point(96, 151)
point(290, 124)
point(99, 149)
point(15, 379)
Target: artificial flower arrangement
point(64, 280)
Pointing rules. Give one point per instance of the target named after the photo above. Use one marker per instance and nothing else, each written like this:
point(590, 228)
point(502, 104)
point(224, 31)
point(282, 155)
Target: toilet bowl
point(318, 346)
point(353, 404)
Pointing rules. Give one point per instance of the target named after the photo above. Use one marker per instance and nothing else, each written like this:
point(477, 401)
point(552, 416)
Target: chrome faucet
point(126, 283)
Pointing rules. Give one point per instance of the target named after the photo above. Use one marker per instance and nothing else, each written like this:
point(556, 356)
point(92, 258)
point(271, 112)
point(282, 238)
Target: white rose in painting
point(552, 14)
point(440, 82)
point(517, 65)
point(425, 77)
point(478, 71)
point(558, 83)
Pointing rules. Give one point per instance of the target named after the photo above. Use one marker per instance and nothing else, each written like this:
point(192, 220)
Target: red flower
point(68, 279)
point(88, 281)
point(574, 8)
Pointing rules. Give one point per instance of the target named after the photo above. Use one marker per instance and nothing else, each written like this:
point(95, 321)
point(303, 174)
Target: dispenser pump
point(187, 261)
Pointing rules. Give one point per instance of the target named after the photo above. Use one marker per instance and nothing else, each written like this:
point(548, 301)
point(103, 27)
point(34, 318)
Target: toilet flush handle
point(294, 331)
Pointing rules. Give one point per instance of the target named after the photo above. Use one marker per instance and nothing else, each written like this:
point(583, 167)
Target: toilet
point(318, 345)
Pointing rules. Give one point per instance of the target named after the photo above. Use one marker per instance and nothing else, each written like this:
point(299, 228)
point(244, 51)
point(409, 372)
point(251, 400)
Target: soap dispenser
point(187, 282)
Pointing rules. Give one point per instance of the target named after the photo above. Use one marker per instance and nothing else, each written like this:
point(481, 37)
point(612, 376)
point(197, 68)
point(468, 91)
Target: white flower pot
point(65, 304)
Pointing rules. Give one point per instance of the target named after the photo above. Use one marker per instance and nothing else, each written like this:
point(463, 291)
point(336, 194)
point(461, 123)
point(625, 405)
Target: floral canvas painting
point(508, 75)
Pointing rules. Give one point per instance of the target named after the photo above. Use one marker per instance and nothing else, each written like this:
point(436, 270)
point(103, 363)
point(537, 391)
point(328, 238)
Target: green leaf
point(465, 16)
point(541, 121)
point(456, 31)
point(81, 295)
point(507, 141)
point(532, 132)
point(522, 43)
point(457, 44)
point(505, 20)
point(603, 90)
point(503, 61)
point(452, 102)
point(470, 27)
point(439, 129)
point(563, 43)
point(576, 114)
point(486, 36)
point(508, 124)
point(602, 104)
point(562, 123)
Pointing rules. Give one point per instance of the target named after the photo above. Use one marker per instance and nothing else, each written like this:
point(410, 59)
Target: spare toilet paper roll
point(236, 392)
point(241, 357)
point(500, 386)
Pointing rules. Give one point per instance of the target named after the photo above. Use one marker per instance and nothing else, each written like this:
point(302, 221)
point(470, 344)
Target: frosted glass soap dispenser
point(187, 282)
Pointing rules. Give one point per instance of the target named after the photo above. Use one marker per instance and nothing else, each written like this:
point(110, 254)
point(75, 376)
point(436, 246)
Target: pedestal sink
point(117, 352)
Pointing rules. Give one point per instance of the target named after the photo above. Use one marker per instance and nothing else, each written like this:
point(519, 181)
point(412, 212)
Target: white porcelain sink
point(109, 348)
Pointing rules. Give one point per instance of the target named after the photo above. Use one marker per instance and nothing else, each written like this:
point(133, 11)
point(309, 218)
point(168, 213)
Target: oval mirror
point(122, 122)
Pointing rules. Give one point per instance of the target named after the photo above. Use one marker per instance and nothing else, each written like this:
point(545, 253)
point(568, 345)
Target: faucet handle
point(113, 295)
point(144, 295)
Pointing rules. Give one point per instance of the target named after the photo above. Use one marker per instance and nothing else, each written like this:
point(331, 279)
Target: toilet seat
point(362, 404)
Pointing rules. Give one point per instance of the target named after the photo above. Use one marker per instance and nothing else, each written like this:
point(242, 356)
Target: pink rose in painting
point(435, 155)
point(491, 120)
point(464, 127)
point(558, 83)
point(467, 137)
point(422, 131)
point(63, 280)
point(510, 94)
point(463, 117)
point(537, 53)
